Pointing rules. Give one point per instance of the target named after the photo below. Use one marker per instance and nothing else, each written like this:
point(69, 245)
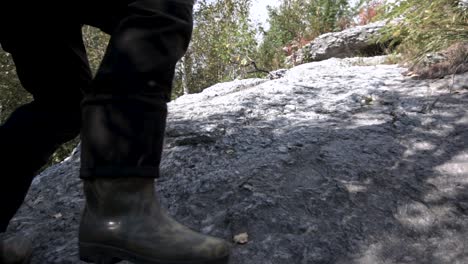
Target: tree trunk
point(184, 76)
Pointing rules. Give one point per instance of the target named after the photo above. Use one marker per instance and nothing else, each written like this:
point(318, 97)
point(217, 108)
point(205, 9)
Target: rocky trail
point(342, 161)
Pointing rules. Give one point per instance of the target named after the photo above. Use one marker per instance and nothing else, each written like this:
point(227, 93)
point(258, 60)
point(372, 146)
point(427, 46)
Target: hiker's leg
point(124, 116)
point(123, 129)
point(51, 64)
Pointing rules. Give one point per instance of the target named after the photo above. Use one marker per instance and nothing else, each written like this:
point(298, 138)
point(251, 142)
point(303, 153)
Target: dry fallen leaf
point(241, 238)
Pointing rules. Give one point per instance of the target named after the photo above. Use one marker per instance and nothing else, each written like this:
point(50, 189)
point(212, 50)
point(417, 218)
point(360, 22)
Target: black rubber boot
point(123, 220)
point(15, 250)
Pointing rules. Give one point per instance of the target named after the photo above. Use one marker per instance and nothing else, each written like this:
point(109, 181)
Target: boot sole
point(100, 254)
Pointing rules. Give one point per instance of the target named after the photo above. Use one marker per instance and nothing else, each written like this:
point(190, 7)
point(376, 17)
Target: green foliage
point(96, 43)
point(296, 22)
point(12, 94)
point(369, 11)
point(425, 26)
point(223, 44)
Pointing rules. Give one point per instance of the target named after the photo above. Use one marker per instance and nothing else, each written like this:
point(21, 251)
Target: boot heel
point(97, 255)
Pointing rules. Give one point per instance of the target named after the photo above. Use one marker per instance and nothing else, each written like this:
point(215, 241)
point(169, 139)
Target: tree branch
point(254, 64)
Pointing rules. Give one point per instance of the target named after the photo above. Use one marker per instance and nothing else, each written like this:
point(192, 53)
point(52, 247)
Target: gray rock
point(356, 41)
point(277, 74)
point(463, 4)
point(334, 181)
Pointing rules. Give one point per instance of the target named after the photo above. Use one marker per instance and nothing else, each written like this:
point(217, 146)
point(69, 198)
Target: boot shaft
point(113, 198)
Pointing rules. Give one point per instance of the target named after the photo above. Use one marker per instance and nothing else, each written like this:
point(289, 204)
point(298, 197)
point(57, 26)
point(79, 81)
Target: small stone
point(242, 238)
point(283, 149)
point(230, 151)
point(248, 187)
point(57, 216)
point(290, 108)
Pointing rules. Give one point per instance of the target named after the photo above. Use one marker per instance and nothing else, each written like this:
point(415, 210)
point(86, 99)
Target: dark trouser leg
point(123, 128)
point(53, 67)
point(124, 115)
